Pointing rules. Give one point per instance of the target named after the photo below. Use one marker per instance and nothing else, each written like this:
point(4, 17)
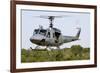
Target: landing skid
point(49, 48)
point(37, 47)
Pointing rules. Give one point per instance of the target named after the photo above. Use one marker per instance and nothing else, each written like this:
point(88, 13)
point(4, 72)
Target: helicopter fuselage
point(52, 40)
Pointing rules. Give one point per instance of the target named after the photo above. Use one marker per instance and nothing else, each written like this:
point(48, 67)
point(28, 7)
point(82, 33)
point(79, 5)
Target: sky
point(30, 20)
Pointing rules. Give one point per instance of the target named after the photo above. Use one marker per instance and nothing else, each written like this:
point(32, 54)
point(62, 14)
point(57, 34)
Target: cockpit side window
point(48, 34)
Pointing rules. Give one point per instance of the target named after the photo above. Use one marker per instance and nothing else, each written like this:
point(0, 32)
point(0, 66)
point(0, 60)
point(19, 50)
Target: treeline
point(76, 52)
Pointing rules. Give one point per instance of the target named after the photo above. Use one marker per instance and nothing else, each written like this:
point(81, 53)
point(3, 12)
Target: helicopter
point(51, 37)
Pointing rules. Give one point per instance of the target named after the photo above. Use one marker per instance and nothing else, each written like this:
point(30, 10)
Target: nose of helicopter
point(35, 39)
point(31, 39)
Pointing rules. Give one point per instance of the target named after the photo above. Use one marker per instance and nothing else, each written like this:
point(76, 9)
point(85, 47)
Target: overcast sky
point(67, 24)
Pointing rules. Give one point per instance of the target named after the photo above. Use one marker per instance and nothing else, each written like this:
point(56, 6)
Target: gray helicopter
point(51, 37)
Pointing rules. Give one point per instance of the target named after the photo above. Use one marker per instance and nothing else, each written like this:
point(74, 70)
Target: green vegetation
point(76, 52)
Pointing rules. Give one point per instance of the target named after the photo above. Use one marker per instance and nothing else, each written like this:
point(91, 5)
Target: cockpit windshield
point(40, 31)
point(35, 31)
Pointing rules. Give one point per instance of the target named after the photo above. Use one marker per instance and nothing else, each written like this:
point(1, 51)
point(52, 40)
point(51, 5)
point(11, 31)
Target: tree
point(76, 50)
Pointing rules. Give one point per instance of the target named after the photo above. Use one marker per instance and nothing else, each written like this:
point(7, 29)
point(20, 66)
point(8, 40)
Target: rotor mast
point(51, 18)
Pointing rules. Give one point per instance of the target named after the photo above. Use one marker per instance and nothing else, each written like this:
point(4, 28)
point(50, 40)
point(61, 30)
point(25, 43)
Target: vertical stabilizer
point(78, 33)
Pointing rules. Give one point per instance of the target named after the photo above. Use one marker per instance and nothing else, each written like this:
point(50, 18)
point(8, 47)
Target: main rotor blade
point(47, 17)
point(52, 16)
